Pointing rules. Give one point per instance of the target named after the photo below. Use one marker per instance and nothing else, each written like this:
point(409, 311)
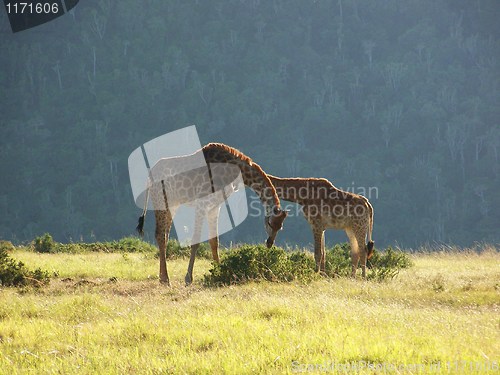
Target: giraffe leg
point(189, 275)
point(362, 260)
point(214, 245)
point(323, 255)
point(213, 233)
point(354, 251)
point(319, 246)
point(163, 223)
point(195, 243)
point(363, 250)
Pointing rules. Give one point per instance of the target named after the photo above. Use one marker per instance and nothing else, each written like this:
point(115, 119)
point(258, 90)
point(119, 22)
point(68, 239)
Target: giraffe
point(181, 180)
point(324, 206)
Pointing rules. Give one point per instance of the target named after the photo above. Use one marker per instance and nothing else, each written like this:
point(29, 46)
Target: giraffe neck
point(261, 185)
point(306, 190)
point(253, 175)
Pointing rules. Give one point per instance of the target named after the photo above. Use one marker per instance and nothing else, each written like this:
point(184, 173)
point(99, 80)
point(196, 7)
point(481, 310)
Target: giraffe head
point(274, 223)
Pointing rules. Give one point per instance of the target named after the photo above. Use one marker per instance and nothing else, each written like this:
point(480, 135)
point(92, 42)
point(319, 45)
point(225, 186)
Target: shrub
point(383, 265)
point(14, 273)
point(390, 258)
point(124, 245)
point(175, 250)
point(74, 248)
point(303, 265)
point(338, 260)
point(387, 265)
point(44, 244)
point(6, 245)
point(129, 245)
point(257, 262)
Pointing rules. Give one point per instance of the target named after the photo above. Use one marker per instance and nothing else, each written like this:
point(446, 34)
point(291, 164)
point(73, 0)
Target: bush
point(383, 265)
point(125, 245)
point(44, 244)
point(303, 265)
point(391, 258)
point(6, 246)
point(338, 260)
point(14, 273)
point(387, 265)
point(256, 262)
point(175, 250)
point(129, 245)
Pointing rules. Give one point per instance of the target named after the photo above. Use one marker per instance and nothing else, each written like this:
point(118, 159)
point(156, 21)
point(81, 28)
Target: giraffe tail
point(140, 225)
point(370, 245)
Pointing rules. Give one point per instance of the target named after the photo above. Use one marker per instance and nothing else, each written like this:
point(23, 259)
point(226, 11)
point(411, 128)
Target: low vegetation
point(15, 273)
point(256, 262)
point(46, 244)
point(107, 313)
point(245, 262)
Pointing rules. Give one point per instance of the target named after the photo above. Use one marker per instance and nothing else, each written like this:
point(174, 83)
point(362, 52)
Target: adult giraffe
point(324, 206)
point(181, 180)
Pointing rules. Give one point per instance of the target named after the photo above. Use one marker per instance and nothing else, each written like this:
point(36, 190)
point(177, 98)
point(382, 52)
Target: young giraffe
point(181, 180)
point(324, 206)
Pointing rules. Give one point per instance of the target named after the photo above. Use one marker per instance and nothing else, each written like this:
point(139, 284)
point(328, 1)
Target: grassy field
point(106, 313)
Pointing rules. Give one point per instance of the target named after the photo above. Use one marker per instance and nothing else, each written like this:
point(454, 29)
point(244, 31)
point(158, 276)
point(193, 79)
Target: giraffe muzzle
point(269, 242)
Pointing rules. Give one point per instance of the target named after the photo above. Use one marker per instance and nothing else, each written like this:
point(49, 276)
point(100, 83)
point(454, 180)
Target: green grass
point(106, 313)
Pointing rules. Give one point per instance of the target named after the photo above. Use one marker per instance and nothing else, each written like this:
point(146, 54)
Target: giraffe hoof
point(188, 279)
point(165, 282)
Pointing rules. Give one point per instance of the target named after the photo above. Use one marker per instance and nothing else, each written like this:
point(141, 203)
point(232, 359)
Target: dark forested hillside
point(397, 95)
